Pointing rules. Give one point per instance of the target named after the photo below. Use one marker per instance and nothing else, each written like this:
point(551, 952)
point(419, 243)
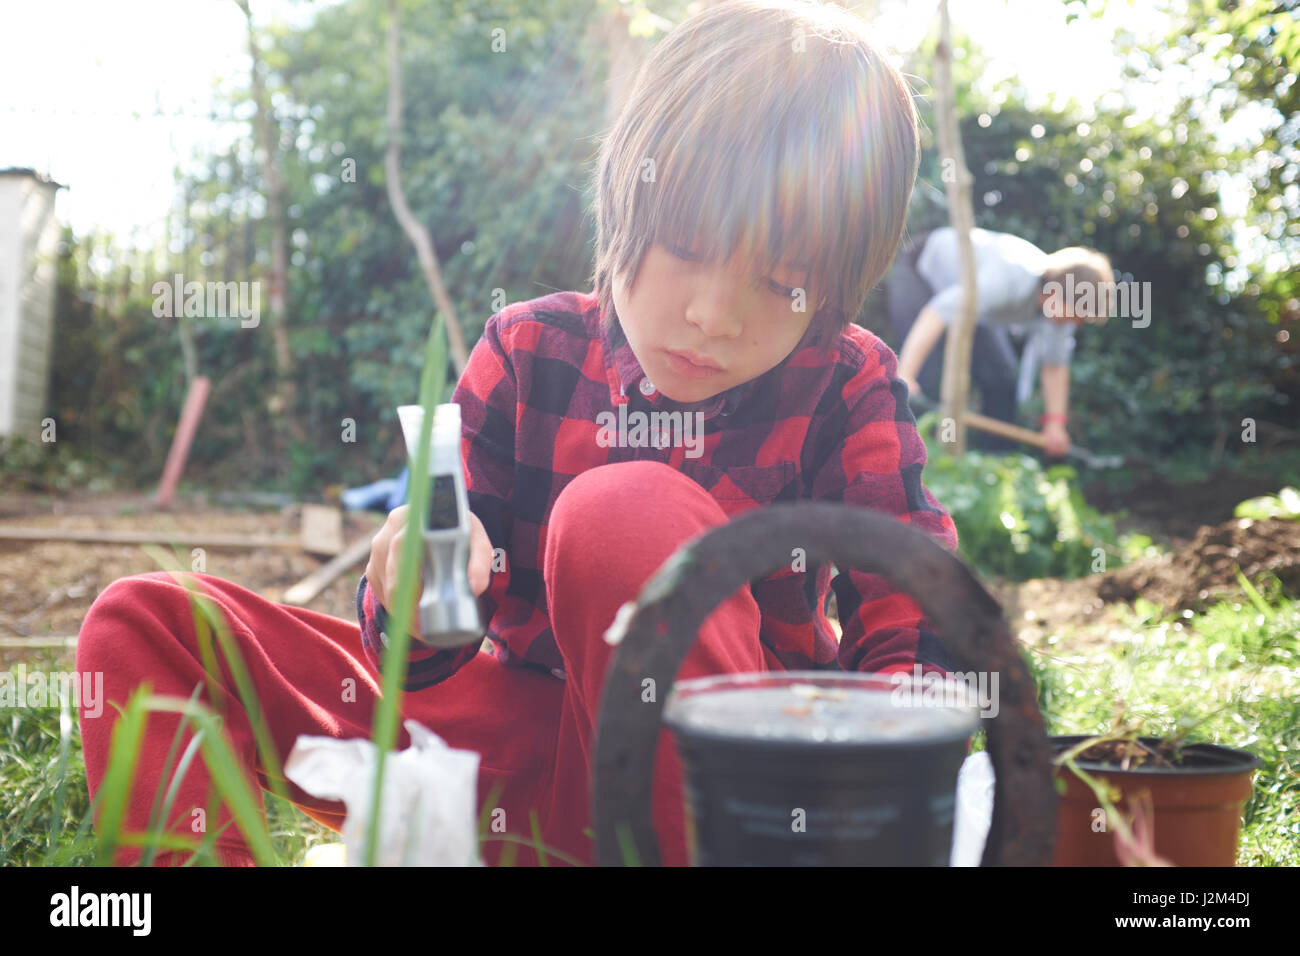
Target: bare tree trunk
point(268, 139)
point(189, 350)
point(417, 233)
point(625, 56)
point(957, 180)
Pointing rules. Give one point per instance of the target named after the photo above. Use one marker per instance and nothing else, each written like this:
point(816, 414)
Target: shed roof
point(24, 171)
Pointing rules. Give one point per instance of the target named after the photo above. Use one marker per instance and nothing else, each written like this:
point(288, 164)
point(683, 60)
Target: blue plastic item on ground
point(383, 495)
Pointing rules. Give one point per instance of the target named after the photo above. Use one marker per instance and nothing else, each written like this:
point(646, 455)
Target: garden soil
point(1199, 573)
point(46, 587)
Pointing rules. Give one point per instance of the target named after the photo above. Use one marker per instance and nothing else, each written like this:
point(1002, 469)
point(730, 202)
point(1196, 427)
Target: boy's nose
point(716, 305)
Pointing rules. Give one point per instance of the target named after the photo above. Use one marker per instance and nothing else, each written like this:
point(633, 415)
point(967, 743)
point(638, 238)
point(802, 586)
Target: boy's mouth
point(689, 365)
point(693, 364)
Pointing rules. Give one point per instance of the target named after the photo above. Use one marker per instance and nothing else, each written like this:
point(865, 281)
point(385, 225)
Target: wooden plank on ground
point(196, 538)
point(322, 529)
point(36, 643)
point(318, 580)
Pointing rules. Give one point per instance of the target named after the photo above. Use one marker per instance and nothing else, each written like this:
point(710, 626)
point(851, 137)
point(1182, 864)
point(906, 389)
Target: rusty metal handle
point(709, 569)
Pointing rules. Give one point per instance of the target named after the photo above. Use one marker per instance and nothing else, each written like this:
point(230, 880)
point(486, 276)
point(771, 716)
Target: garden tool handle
point(1004, 429)
point(921, 403)
point(1016, 433)
point(655, 633)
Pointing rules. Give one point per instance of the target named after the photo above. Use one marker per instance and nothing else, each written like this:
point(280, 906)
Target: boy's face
point(699, 328)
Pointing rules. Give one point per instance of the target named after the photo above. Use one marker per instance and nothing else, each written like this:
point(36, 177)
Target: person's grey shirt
point(1008, 279)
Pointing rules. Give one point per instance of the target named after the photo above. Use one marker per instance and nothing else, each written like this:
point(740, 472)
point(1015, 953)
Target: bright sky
point(81, 82)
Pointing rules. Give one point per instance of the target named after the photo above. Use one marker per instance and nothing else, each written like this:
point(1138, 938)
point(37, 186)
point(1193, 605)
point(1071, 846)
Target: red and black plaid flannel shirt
point(825, 424)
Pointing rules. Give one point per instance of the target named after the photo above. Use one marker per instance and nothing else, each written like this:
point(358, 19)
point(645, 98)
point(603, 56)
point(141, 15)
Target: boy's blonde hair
point(770, 127)
point(1087, 266)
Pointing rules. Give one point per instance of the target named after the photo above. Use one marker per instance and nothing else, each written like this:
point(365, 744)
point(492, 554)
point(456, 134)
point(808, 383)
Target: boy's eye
point(775, 287)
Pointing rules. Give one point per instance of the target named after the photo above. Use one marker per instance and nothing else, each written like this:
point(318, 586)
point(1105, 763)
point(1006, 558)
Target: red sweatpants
point(610, 530)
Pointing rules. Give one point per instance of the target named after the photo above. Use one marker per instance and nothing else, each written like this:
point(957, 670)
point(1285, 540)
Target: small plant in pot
point(1128, 799)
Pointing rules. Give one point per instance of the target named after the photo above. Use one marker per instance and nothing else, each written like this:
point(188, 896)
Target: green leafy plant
point(1284, 504)
point(1016, 519)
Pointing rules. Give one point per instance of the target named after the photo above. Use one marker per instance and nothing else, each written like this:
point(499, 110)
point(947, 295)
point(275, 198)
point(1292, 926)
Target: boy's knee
point(117, 612)
point(610, 491)
point(623, 520)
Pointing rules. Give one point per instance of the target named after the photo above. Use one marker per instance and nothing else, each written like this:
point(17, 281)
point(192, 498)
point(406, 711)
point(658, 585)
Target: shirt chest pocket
point(742, 488)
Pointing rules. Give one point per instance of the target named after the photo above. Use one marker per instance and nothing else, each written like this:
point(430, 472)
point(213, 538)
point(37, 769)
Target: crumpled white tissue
point(428, 798)
point(974, 813)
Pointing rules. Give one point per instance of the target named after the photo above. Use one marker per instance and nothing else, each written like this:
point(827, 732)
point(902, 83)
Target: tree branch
point(418, 235)
point(957, 183)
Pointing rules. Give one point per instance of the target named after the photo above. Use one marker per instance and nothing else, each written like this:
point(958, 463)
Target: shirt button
point(647, 387)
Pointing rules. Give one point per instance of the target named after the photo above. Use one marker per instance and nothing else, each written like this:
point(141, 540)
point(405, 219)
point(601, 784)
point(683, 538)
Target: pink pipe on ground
point(180, 450)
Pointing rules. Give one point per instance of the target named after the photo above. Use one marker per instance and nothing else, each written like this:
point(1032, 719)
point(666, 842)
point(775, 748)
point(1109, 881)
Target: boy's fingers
point(377, 569)
point(395, 564)
point(480, 556)
point(377, 565)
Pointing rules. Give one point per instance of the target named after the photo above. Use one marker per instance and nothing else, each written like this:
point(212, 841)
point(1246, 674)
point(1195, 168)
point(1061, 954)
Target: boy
point(758, 134)
point(1014, 296)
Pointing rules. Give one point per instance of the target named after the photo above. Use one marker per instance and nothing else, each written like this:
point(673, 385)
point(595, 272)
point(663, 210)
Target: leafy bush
point(45, 467)
point(1016, 520)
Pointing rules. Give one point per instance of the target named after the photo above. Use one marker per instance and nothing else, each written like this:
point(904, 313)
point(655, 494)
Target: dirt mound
point(1197, 574)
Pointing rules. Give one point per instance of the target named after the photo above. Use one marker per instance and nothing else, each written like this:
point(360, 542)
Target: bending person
point(1027, 300)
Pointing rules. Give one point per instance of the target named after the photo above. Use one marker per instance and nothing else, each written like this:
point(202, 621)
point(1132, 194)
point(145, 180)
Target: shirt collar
point(626, 375)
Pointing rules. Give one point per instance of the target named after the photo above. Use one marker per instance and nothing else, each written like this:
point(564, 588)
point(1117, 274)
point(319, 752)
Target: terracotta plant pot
point(1197, 805)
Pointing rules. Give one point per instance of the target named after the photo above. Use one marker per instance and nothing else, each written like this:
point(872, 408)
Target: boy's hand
point(386, 550)
point(1056, 441)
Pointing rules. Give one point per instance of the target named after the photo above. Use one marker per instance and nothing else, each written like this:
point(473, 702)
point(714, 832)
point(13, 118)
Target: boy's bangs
point(770, 206)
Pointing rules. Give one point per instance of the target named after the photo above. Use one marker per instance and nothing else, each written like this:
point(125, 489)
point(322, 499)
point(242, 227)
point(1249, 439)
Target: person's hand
point(913, 386)
point(480, 556)
point(385, 553)
point(1056, 441)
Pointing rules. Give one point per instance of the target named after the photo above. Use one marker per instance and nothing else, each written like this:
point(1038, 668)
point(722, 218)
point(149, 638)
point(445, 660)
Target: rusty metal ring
point(707, 570)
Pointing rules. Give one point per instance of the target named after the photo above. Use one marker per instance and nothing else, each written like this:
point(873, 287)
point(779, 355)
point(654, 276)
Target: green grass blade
point(513, 842)
point(537, 838)
point(157, 814)
point(227, 775)
point(1255, 597)
point(433, 381)
point(61, 773)
point(115, 790)
point(627, 846)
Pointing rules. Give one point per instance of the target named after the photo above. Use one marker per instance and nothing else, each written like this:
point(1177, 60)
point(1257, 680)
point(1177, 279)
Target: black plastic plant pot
point(805, 768)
